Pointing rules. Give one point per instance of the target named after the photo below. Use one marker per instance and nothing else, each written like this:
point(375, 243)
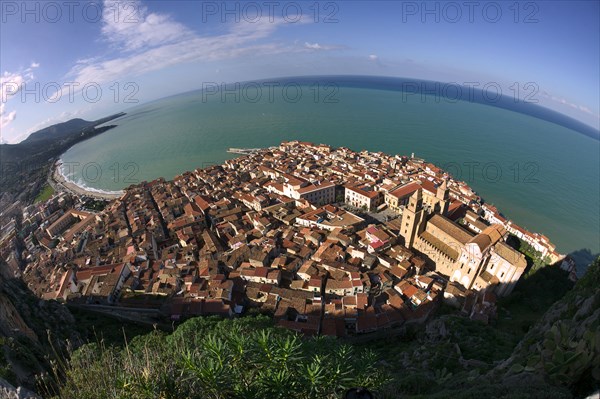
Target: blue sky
point(152, 49)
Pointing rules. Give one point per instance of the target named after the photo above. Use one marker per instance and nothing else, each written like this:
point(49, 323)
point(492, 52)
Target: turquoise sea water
point(543, 176)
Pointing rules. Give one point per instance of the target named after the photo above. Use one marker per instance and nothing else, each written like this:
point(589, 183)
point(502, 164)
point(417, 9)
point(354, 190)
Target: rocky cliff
point(563, 347)
point(31, 331)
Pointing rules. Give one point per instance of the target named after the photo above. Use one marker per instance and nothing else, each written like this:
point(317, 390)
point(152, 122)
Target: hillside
point(31, 330)
point(25, 166)
point(450, 357)
point(249, 357)
point(563, 347)
point(212, 358)
point(58, 131)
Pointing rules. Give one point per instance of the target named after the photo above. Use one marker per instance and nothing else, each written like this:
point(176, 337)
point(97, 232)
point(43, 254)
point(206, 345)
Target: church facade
point(476, 261)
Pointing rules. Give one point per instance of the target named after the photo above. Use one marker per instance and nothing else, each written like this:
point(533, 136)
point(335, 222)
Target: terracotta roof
point(451, 228)
point(406, 190)
point(511, 255)
point(445, 248)
point(362, 190)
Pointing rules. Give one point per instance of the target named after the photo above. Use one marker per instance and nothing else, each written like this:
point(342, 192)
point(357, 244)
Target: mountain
point(24, 166)
point(40, 143)
point(58, 131)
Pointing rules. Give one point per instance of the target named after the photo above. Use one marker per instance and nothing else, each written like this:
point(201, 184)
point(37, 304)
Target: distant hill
point(24, 166)
point(50, 136)
point(58, 131)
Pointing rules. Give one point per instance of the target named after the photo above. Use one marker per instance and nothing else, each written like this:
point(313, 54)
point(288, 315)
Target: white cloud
point(130, 26)
point(313, 46)
point(321, 47)
point(143, 41)
point(5, 118)
point(213, 48)
point(157, 42)
point(11, 84)
point(374, 58)
point(565, 102)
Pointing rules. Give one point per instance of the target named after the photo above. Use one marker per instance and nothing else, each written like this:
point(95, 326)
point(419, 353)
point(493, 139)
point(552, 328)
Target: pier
point(244, 151)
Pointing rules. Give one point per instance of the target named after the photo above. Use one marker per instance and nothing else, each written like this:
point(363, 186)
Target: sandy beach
point(59, 183)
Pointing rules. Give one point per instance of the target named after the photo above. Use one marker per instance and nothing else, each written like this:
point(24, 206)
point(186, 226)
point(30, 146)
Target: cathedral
point(476, 261)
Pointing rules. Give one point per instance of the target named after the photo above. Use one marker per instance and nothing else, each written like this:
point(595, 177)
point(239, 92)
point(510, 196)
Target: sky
point(87, 59)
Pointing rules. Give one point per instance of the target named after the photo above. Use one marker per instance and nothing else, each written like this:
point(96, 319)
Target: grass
point(45, 194)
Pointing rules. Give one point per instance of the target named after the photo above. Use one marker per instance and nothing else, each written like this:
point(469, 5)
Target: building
point(329, 218)
point(321, 193)
point(436, 197)
point(99, 285)
point(399, 197)
point(72, 217)
point(475, 261)
point(363, 197)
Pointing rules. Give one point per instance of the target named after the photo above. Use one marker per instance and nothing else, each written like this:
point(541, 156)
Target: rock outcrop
point(28, 326)
point(7, 391)
point(564, 345)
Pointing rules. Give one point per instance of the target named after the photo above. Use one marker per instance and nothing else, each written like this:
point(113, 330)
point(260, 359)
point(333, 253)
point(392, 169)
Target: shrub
point(210, 358)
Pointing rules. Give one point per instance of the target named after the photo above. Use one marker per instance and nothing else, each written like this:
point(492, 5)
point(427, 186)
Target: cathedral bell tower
point(443, 197)
point(412, 218)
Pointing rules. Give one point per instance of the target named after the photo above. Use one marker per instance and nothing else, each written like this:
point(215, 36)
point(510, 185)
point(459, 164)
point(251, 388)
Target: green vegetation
point(431, 359)
point(564, 345)
point(533, 295)
point(45, 194)
point(535, 260)
point(95, 205)
point(95, 327)
point(212, 358)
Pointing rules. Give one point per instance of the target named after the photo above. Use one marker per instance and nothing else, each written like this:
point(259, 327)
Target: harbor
point(243, 151)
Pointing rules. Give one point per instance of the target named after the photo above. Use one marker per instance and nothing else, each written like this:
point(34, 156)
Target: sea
point(541, 169)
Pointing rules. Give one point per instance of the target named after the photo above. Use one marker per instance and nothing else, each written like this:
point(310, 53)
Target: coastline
point(61, 184)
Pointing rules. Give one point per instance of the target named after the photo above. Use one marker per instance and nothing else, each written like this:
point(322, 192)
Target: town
point(326, 240)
